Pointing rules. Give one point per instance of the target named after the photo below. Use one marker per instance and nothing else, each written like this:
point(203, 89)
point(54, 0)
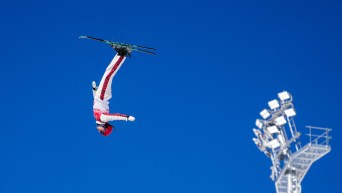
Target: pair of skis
point(118, 45)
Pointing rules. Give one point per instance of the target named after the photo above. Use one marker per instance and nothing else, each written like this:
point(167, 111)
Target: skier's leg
point(106, 117)
point(104, 90)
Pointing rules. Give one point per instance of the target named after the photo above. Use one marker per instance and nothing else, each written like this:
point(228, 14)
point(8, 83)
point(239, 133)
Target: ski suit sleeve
point(106, 117)
point(94, 92)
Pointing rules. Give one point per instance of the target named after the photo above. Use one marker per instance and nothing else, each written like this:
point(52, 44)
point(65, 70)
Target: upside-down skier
point(103, 92)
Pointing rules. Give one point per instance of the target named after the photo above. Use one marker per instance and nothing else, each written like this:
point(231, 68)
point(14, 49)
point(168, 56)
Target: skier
point(103, 93)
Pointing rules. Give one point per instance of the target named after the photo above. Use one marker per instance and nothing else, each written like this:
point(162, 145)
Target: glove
point(93, 85)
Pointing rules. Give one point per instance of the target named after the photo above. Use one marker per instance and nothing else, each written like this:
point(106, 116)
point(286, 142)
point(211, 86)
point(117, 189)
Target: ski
point(119, 45)
point(145, 47)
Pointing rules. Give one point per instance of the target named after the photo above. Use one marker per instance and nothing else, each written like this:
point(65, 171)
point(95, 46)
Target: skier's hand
point(93, 85)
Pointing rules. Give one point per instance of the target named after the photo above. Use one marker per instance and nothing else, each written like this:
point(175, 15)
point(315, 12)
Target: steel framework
point(278, 138)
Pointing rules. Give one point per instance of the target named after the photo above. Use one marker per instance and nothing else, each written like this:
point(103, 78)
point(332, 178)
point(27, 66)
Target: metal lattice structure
point(278, 138)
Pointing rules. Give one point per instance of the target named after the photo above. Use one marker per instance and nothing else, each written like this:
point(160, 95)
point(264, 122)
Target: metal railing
point(319, 135)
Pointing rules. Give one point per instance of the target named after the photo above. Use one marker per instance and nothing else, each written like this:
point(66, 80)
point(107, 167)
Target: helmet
point(108, 130)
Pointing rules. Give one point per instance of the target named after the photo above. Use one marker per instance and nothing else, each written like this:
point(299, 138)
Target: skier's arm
point(106, 117)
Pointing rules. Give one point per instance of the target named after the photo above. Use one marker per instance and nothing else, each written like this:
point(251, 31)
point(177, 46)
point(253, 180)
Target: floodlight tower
point(278, 138)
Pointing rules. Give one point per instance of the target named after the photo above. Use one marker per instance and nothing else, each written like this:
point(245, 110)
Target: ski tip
point(144, 47)
point(145, 51)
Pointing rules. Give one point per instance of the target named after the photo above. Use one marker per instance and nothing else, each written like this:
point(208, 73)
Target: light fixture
point(274, 143)
point(276, 136)
point(258, 123)
point(281, 140)
point(259, 144)
point(265, 114)
point(257, 133)
point(257, 141)
point(290, 112)
point(273, 104)
point(268, 134)
point(283, 95)
point(280, 121)
point(273, 129)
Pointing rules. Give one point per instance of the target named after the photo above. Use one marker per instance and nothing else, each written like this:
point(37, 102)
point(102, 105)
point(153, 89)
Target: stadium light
point(284, 95)
point(268, 134)
point(274, 143)
point(281, 140)
point(290, 112)
point(273, 104)
point(257, 141)
point(257, 132)
point(259, 144)
point(272, 129)
point(290, 159)
point(258, 123)
point(265, 114)
point(280, 121)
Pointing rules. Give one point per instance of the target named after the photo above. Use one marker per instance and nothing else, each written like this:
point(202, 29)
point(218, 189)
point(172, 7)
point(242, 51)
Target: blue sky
point(195, 102)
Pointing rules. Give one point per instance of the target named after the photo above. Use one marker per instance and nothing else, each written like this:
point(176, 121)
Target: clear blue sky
point(195, 103)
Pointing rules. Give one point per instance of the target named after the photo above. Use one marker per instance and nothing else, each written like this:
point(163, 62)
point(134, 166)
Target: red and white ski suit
point(104, 93)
